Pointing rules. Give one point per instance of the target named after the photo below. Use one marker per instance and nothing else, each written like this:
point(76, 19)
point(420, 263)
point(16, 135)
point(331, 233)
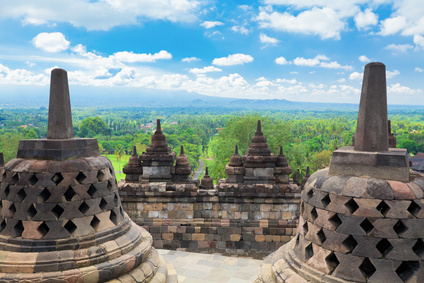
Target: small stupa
point(61, 218)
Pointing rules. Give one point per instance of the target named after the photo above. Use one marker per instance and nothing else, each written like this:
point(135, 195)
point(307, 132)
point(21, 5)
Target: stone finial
point(259, 127)
point(207, 171)
point(1, 159)
point(235, 160)
point(206, 183)
point(60, 117)
point(158, 127)
point(182, 150)
point(134, 151)
point(371, 130)
point(236, 150)
point(296, 177)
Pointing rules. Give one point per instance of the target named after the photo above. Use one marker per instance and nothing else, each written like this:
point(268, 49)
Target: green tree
point(411, 146)
point(91, 127)
point(119, 151)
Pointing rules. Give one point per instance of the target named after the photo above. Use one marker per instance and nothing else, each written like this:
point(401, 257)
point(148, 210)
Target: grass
point(118, 165)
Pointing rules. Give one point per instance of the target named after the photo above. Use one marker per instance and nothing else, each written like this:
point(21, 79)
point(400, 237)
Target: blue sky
point(300, 50)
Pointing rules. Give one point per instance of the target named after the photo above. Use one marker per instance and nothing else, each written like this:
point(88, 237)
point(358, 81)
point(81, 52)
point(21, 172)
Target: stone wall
point(249, 224)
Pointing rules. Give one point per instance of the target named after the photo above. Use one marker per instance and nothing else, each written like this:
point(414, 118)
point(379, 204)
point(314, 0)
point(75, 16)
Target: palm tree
point(119, 151)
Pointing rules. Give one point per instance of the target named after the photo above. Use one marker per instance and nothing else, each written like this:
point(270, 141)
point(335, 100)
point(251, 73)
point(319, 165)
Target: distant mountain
point(103, 97)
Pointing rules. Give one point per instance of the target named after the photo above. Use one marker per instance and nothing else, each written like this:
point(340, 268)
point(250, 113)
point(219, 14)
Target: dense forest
point(307, 137)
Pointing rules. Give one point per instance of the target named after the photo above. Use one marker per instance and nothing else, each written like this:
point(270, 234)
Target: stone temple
point(61, 217)
point(360, 220)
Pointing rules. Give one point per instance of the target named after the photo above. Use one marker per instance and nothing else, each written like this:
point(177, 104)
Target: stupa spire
point(60, 117)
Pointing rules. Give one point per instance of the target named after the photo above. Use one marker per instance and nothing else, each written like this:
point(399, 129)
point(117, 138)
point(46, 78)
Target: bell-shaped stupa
point(61, 217)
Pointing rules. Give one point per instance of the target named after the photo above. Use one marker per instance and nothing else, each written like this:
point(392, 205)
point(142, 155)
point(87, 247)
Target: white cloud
point(364, 59)
point(21, 77)
point(390, 74)
point(211, 24)
point(398, 88)
point(342, 80)
point(205, 70)
point(319, 61)
point(323, 22)
point(101, 15)
point(240, 29)
point(364, 20)
point(419, 41)
point(190, 59)
point(356, 76)
point(399, 48)
point(51, 42)
point(131, 57)
point(417, 69)
point(233, 59)
point(281, 61)
point(392, 25)
point(268, 40)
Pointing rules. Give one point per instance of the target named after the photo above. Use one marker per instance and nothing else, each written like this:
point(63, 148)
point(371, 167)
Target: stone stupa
point(360, 220)
point(61, 217)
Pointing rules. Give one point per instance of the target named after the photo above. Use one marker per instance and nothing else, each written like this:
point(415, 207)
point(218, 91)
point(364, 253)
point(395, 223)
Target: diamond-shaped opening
point(310, 193)
point(116, 199)
point(335, 221)
point(367, 268)
point(297, 240)
point(314, 214)
point(70, 227)
point(6, 191)
point(111, 171)
point(332, 262)
point(4, 175)
point(400, 228)
point(351, 205)
point(45, 194)
point(83, 208)
point(309, 251)
point(414, 208)
point(80, 177)
point(21, 195)
point(12, 209)
point(92, 190)
point(2, 225)
point(121, 210)
point(15, 178)
point(57, 211)
point(57, 178)
point(407, 269)
point(383, 208)
point(31, 211)
point(95, 222)
point(305, 228)
point(32, 180)
point(366, 226)
point(349, 243)
point(109, 185)
point(113, 217)
point(100, 176)
point(321, 236)
point(103, 204)
point(70, 193)
point(418, 248)
point(19, 228)
point(325, 200)
point(43, 229)
point(384, 247)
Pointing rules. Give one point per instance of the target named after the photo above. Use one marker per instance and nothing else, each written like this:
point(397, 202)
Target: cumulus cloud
point(364, 59)
point(392, 25)
point(419, 41)
point(130, 57)
point(391, 74)
point(240, 29)
point(101, 15)
point(398, 88)
point(318, 21)
point(399, 48)
point(51, 42)
point(417, 69)
point(320, 61)
point(364, 20)
point(268, 40)
point(356, 76)
point(233, 59)
point(281, 61)
point(21, 77)
point(190, 59)
point(205, 70)
point(211, 24)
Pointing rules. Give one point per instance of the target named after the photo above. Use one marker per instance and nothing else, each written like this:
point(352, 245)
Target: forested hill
point(87, 97)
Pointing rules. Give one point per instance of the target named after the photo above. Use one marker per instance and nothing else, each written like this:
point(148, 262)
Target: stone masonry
point(61, 218)
point(253, 212)
point(356, 224)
